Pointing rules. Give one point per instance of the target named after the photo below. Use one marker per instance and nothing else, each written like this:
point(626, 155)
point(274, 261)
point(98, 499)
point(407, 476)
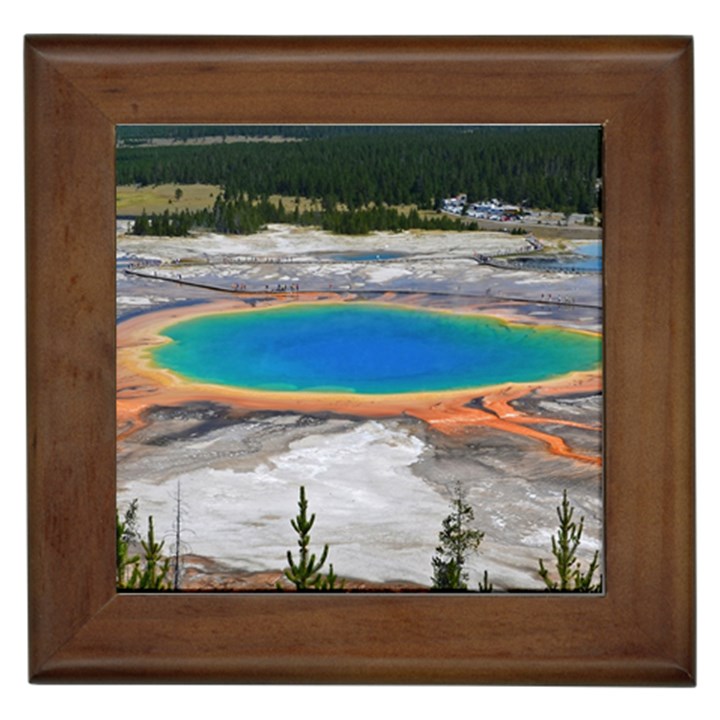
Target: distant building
point(483, 209)
point(493, 210)
point(455, 204)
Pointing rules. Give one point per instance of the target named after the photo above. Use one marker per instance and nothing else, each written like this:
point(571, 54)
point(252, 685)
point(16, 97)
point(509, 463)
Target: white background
point(368, 17)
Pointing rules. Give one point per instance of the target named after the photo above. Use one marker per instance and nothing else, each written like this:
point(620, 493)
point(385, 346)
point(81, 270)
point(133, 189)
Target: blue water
point(591, 249)
point(591, 254)
point(370, 348)
point(586, 257)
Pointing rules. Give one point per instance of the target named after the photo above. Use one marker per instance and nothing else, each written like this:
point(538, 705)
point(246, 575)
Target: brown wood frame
point(642, 631)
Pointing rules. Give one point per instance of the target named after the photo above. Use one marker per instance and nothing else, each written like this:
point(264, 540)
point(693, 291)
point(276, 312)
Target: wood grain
point(642, 631)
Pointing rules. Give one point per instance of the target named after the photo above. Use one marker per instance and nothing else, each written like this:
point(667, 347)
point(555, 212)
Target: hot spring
point(368, 349)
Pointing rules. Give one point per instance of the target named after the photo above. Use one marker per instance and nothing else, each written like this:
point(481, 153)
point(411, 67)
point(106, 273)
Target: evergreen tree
point(569, 575)
point(153, 576)
point(148, 571)
point(356, 170)
point(457, 540)
point(353, 166)
point(125, 534)
point(305, 573)
point(141, 226)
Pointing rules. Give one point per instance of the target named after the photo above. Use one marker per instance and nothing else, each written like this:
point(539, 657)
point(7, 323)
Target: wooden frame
point(641, 631)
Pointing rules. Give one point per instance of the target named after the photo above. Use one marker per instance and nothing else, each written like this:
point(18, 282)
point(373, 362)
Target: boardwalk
point(306, 290)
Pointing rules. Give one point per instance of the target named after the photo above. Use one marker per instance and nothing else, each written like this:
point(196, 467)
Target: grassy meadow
point(132, 199)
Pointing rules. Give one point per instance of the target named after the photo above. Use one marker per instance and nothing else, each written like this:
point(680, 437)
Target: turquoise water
point(591, 249)
point(586, 257)
point(368, 349)
point(592, 254)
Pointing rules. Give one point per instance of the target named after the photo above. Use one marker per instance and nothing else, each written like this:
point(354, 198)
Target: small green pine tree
point(148, 571)
point(569, 575)
point(457, 540)
point(331, 581)
point(305, 573)
point(485, 586)
point(155, 572)
point(125, 533)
